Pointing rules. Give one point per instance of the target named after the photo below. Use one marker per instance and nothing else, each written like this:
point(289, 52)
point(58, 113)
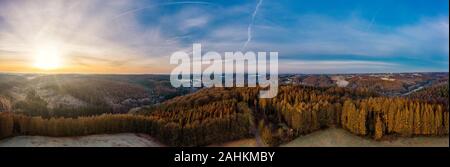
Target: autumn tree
point(6, 124)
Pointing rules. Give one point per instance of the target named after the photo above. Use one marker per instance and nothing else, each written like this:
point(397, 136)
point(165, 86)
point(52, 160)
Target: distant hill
point(78, 95)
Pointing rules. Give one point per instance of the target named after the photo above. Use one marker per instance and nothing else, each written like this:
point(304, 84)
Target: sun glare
point(47, 57)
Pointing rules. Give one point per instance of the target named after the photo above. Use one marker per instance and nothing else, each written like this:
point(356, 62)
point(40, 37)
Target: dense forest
point(224, 126)
point(194, 123)
point(215, 115)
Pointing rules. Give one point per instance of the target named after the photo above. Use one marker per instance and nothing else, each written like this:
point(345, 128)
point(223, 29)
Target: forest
point(181, 125)
point(215, 115)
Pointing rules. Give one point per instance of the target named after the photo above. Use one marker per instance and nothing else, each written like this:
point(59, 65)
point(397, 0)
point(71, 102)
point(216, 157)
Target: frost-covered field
point(334, 137)
point(106, 140)
point(331, 137)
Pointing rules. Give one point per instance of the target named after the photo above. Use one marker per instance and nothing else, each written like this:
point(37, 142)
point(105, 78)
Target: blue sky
point(311, 36)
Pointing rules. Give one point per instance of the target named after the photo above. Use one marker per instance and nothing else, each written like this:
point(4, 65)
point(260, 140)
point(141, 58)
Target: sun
point(47, 57)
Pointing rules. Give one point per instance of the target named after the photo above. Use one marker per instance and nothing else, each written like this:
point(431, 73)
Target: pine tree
point(6, 124)
point(417, 121)
point(378, 128)
point(362, 122)
point(391, 117)
point(438, 120)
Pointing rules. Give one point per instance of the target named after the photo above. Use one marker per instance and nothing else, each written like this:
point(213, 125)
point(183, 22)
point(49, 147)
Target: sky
point(139, 36)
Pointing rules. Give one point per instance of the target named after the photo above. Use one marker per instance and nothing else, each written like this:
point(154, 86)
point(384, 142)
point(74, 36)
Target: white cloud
point(324, 66)
point(84, 28)
point(196, 22)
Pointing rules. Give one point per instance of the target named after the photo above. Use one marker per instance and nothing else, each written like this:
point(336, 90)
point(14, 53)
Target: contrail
point(250, 26)
point(164, 4)
point(373, 19)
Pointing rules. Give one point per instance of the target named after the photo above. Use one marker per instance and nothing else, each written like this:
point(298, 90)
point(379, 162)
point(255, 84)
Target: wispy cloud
point(145, 7)
point(85, 28)
point(145, 33)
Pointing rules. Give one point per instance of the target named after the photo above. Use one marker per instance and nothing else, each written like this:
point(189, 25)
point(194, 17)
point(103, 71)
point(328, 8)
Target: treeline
point(384, 116)
point(206, 117)
point(14, 124)
point(6, 124)
point(212, 123)
point(300, 110)
point(196, 134)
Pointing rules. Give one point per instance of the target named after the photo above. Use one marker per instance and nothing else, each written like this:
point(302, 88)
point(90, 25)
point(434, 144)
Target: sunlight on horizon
point(48, 56)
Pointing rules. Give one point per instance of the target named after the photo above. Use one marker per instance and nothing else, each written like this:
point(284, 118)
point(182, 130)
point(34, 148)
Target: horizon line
point(287, 73)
